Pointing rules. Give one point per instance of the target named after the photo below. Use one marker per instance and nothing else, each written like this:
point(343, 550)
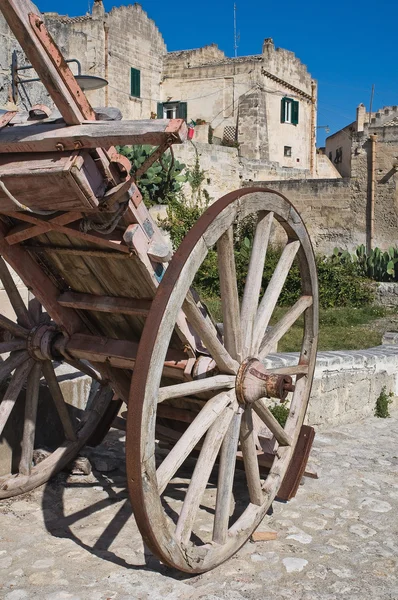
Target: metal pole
point(235, 34)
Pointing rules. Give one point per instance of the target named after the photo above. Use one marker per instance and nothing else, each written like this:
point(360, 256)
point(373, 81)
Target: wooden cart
point(119, 308)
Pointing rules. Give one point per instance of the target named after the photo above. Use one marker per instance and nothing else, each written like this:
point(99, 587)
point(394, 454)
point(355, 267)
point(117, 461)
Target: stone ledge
point(347, 383)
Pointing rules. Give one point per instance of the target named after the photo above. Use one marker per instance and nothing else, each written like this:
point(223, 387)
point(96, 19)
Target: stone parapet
point(347, 383)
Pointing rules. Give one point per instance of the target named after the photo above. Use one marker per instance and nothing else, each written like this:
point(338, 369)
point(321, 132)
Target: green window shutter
point(295, 112)
point(283, 104)
point(182, 111)
point(160, 110)
point(135, 76)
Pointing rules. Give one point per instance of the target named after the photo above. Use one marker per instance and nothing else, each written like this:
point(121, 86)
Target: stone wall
point(125, 36)
point(347, 383)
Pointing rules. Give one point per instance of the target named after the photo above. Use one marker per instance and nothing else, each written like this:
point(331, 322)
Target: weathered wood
point(45, 137)
point(297, 466)
point(12, 392)
point(268, 418)
point(229, 294)
point(45, 249)
point(23, 232)
point(208, 333)
point(14, 296)
point(176, 414)
point(12, 346)
point(202, 471)
point(190, 388)
point(58, 398)
point(60, 181)
point(12, 362)
point(226, 472)
point(13, 328)
point(249, 454)
point(205, 419)
point(16, 13)
point(251, 294)
point(31, 404)
point(271, 295)
point(278, 331)
point(126, 306)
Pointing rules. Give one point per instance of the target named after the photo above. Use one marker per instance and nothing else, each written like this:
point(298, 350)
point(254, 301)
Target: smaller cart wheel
point(199, 502)
point(26, 345)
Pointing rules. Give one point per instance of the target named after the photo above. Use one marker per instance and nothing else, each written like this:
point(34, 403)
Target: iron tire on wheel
point(224, 424)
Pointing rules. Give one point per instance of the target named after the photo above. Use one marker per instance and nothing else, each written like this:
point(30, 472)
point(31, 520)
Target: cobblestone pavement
point(75, 539)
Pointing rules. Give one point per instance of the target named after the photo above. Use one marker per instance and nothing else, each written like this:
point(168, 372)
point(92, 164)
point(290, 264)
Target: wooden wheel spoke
point(249, 453)
point(268, 418)
point(14, 296)
point(12, 362)
point(31, 404)
point(196, 387)
point(226, 474)
point(58, 398)
point(229, 293)
point(279, 330)
point(35, 308)
point(254, 278)
point(208, 333)
point(12, 346)
point(270, 298)
point(300, 369)
point(187, 442)
point(13, 328)
point(13, 390)
point(202, 471)
point(84, 368)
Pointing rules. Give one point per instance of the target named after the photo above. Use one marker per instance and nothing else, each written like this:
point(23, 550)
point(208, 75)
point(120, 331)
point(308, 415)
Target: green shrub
point(382, 404)
point(281, 413)
point(163, 180)
point(377, 265)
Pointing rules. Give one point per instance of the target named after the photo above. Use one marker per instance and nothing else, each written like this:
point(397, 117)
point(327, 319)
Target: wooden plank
point(13, 390)
point(46, 138)
point(109, 304)
point(14, 296)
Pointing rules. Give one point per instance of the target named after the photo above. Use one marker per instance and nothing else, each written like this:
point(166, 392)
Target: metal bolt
point(77, 145)
point(59, 147)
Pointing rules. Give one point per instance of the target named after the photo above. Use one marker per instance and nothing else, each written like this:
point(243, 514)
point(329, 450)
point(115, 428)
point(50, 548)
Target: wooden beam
point(21, 232)
point(108, 304)
point(49, 137)
point(55, 79)
point(117, 353)
point(113, 240)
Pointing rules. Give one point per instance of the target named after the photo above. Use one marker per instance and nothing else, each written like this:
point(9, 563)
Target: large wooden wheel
point(27, 348)
point(226, 410)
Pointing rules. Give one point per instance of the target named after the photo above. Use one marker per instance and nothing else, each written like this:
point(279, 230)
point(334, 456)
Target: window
point(330, 156)
point(289, 111)
point(339, 156)
point(135, 83)
point(287, 151)
point(172, 110)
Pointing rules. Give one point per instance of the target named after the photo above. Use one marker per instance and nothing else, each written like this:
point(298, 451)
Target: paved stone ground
point(75, 538)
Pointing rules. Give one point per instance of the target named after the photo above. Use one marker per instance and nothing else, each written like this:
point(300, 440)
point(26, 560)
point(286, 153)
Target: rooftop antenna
point(236, 35)
point(371, 102)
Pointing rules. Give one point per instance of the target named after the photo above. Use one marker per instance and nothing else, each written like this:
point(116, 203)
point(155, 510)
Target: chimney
point(98, 11)
point(361, 115)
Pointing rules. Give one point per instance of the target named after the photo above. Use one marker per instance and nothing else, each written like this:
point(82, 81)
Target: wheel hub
point(253, 382)
point(41, 342)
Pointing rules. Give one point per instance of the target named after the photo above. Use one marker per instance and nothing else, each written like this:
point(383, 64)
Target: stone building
point(123, 46)
point(265, 104)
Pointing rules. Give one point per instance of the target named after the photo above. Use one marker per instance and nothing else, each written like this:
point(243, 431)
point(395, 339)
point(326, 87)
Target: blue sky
point(347, 46)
